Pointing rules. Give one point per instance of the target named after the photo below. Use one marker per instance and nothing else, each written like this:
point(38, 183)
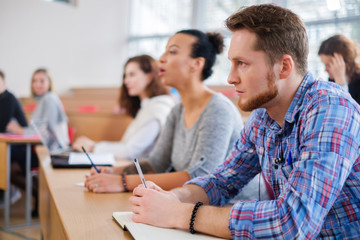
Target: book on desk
point(140, 231)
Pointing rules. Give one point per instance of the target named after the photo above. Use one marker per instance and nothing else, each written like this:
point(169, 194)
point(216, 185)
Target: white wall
point(82, 45)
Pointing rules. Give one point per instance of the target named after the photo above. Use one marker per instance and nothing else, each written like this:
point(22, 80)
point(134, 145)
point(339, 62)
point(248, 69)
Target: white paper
point(80, 184)
point(97, 158)
point(141, 231)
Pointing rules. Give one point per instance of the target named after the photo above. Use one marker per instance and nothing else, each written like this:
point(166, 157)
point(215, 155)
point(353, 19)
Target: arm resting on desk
point(161, 208)
point(104, 182)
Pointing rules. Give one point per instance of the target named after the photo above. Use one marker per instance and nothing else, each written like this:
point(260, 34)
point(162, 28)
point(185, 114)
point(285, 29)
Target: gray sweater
point(50, 109)
point(199, 149)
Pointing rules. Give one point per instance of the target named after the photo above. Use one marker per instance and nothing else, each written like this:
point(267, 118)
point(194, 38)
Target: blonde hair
point(45, 71)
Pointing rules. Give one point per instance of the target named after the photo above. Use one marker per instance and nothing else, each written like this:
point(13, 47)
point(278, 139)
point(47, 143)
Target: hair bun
point(217, 40)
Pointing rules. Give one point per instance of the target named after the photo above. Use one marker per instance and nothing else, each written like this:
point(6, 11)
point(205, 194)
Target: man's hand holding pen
point(152, 205)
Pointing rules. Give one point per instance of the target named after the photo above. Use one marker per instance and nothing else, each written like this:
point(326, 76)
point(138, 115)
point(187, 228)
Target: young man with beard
point(304, 135)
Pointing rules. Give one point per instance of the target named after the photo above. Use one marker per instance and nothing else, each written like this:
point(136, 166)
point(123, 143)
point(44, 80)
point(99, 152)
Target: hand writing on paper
point(108, 170)
point(155, 206)
point(102, 182)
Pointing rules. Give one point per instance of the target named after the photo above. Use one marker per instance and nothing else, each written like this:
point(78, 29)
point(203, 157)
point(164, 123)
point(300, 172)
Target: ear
point(286, 66)
point(197, 64)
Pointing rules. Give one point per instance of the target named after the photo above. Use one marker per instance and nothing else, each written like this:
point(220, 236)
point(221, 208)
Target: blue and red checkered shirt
point(317, 180)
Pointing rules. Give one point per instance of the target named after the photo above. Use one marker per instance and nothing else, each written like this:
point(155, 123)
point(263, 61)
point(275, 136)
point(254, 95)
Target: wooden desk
point(68, 211)
point(6, 140)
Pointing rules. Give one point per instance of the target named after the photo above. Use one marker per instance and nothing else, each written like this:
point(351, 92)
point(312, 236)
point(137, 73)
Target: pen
point(289, 161)
point(97, 170)
point(141, 175)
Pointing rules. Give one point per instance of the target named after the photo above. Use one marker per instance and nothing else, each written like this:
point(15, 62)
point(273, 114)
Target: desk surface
point(15, 138)
point(68, 211)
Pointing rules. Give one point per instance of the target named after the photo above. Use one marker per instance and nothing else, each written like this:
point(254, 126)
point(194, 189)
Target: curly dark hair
point(207, 45)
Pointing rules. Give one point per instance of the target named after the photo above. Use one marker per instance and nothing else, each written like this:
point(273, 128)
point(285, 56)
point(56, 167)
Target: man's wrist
point(183, 215)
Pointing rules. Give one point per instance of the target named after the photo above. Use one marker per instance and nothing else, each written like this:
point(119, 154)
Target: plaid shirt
point(317, 181)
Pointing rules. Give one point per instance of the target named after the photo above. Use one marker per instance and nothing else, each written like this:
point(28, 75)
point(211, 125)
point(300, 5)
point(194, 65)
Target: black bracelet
point(124, 183)
point(193, 215)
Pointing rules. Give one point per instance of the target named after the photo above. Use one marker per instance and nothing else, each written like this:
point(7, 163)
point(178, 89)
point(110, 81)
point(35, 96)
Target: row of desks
point(68, 211)
point(6, 141)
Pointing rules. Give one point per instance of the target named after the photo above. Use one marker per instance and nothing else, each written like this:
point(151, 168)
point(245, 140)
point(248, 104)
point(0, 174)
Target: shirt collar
point(297, 101)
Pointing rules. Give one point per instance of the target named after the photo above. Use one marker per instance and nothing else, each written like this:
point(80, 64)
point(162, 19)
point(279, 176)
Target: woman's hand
point(102, 182)
point(108, 170)
point(337, 68)
point(85, 142)
point(14, 127)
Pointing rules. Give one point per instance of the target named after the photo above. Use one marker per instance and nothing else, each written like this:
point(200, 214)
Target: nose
point(162, 58)
point(233, 77)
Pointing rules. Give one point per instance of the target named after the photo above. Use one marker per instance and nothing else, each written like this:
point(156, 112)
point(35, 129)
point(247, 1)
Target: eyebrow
point(237, 58)
point(174, 45)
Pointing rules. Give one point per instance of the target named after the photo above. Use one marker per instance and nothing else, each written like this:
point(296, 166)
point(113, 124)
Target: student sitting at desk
point(10, 108)
point(340, 56)
point(145, 98)
point(49, 108)
point(198, 132)
point(304, 134)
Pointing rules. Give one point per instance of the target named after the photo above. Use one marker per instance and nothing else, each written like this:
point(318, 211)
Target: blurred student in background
point(10, 108)
point(145, 98)
point(341, 58)
point(50, 109)
point(199, 131)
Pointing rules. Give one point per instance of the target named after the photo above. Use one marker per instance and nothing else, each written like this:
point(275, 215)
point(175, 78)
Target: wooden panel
point(51, 225)
point(99, 127)
point(97, 91)
point(3, 166)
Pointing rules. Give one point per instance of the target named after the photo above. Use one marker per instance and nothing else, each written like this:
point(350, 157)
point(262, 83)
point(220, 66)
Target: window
point(153, 21)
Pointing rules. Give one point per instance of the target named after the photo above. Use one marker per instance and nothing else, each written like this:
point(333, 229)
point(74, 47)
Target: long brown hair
point(131, 104)
point(347, 48)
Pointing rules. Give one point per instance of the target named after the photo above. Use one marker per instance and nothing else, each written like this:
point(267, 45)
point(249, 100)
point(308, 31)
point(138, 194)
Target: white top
point(140, 136)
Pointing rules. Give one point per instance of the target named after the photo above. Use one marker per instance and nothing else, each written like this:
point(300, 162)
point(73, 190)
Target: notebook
point(62, 155)
point(141, 231)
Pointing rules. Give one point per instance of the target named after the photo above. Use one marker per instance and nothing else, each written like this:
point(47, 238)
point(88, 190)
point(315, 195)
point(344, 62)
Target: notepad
point(78, 158)
point(141, 231)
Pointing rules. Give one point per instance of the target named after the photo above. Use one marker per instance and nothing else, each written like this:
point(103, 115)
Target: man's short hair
point(278, 31)
point(2, 75)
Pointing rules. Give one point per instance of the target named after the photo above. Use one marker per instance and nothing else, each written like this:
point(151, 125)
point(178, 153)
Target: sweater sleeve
point(19, 114)
point(48, 109)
